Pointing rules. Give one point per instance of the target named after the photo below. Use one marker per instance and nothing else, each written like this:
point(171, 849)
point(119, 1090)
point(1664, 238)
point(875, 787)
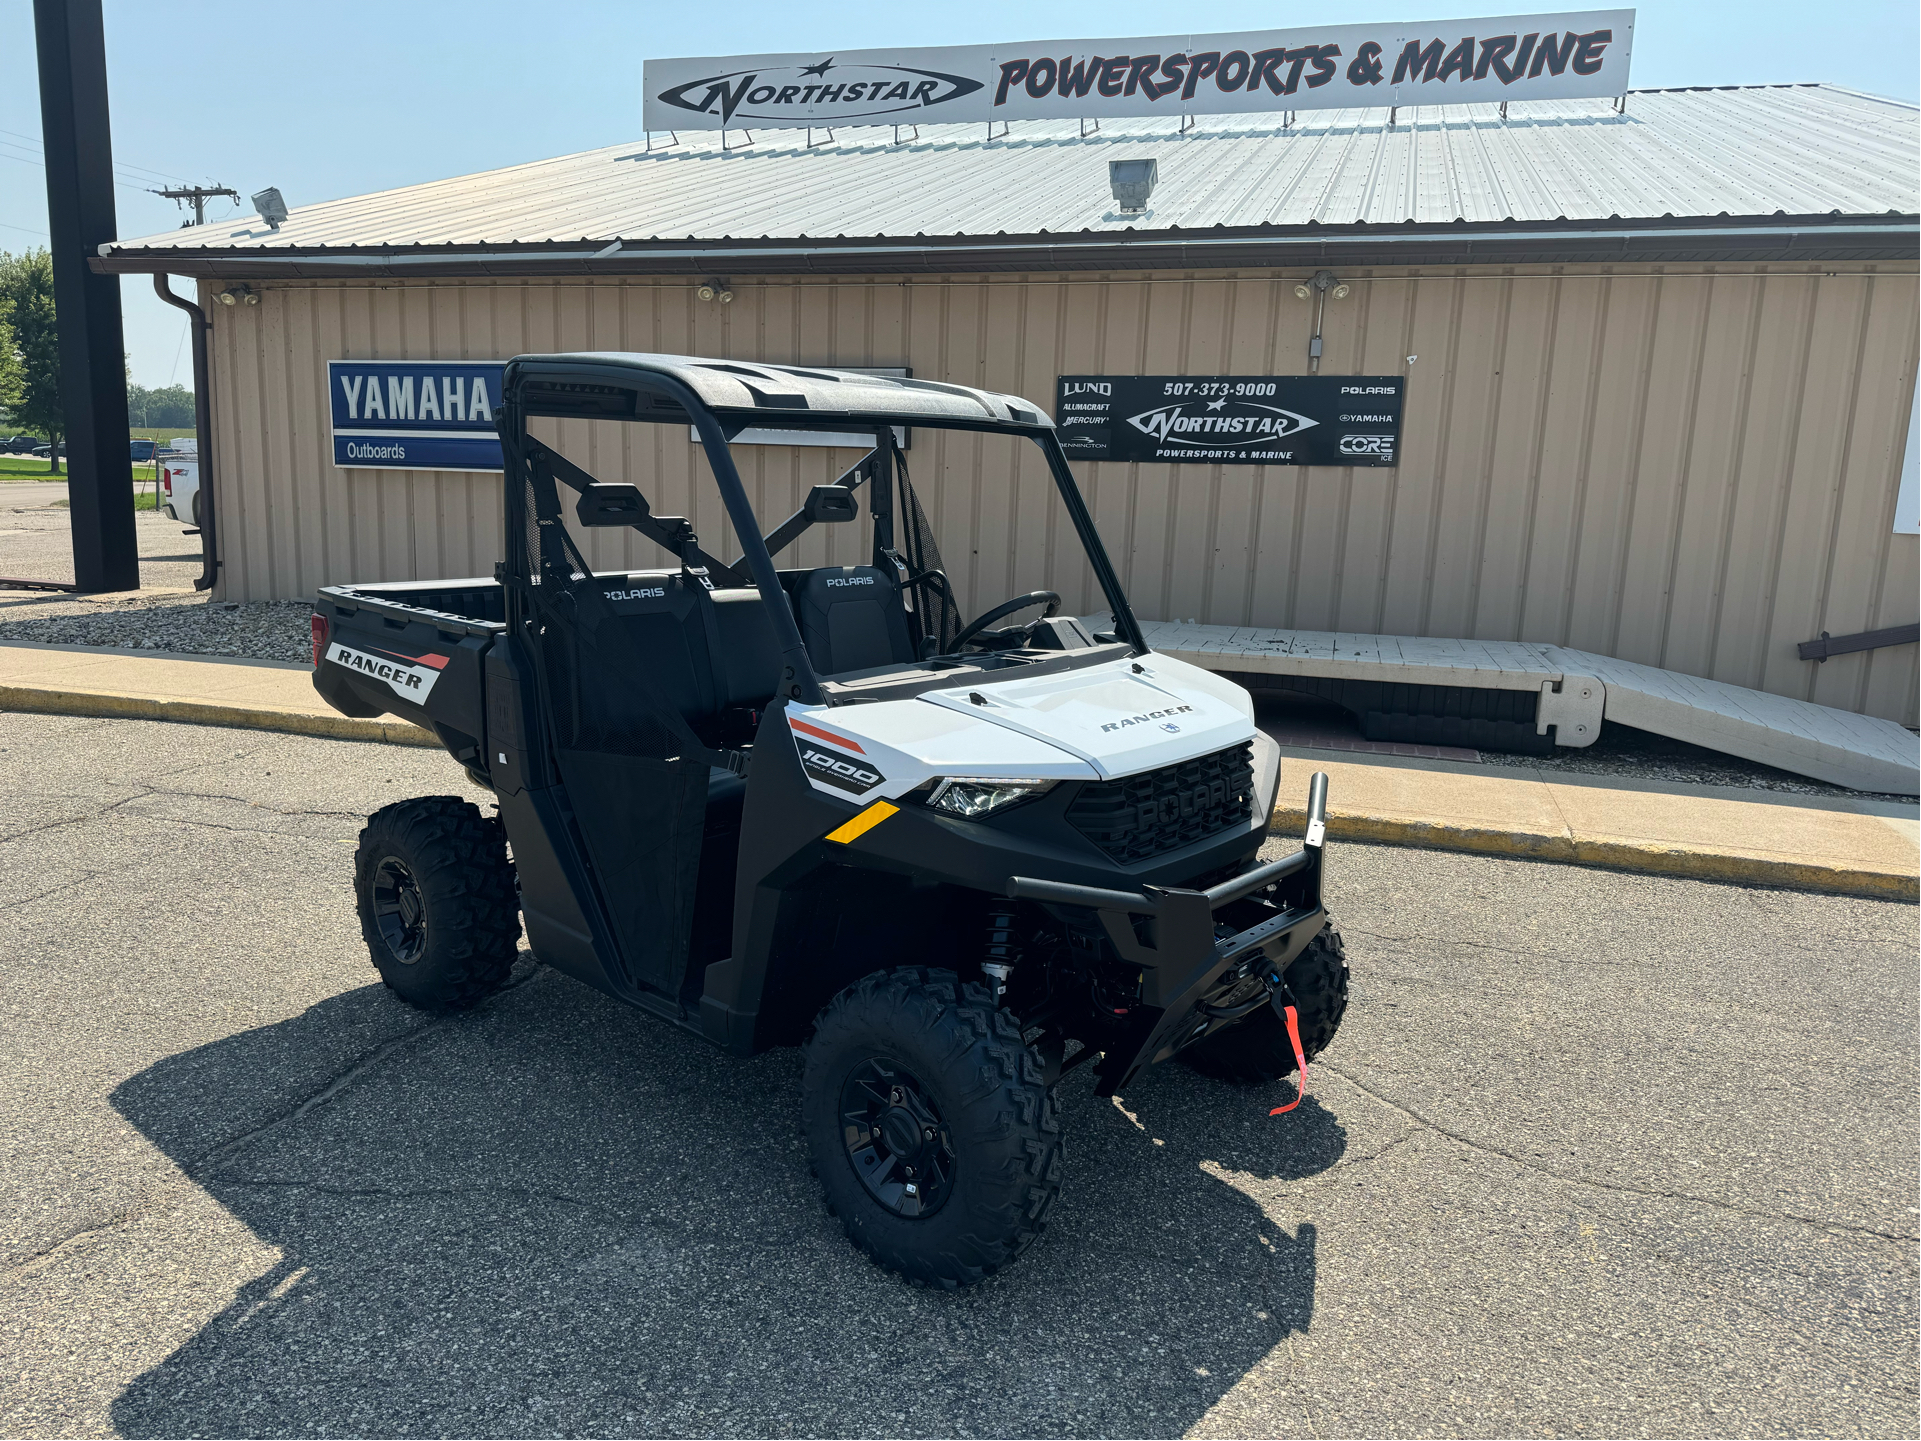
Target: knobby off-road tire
point(437, 904)
point(1258, 1050)
point(916, 1047)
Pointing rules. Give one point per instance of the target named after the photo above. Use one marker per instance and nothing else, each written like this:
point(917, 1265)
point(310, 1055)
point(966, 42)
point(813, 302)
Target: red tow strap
point(1300, 1060)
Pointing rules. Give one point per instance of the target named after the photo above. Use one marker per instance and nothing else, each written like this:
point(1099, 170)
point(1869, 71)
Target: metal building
point(1660, 361)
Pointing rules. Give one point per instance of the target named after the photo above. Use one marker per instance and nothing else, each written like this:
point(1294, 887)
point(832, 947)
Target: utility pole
point(93, 378)
point(197, 196)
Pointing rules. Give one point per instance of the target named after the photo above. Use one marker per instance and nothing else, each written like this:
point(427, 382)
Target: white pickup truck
point(180, 480)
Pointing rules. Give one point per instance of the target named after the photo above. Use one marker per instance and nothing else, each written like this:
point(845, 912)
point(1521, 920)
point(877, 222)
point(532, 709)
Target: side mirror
point(611, 503)
point(830, 504)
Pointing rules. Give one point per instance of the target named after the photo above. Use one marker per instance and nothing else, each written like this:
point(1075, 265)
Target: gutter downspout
point(203, 429)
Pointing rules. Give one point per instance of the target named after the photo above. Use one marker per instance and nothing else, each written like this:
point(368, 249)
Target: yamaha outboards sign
point(1323, 67)
point(415, 414)
point(1232, 419)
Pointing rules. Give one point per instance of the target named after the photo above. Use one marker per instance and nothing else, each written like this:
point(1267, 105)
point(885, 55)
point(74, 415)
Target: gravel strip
point(266, 630)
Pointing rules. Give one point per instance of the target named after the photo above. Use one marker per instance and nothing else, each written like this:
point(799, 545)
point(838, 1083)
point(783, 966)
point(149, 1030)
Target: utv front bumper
point(1201, 953)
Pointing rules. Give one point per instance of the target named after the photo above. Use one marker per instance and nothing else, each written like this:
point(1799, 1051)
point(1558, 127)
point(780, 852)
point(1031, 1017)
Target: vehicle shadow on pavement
point(559, 1216)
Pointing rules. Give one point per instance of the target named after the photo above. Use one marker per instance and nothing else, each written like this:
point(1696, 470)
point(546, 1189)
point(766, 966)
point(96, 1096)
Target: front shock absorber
point(1001, 955)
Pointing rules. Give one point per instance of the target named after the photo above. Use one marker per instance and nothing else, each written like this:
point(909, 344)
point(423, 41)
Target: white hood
point(1123, 717)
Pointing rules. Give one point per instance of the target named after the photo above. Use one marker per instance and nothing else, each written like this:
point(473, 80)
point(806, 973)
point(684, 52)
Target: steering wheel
point(1008, 607)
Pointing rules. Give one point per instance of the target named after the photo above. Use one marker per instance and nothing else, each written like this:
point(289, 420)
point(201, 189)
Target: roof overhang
point(1665, 240)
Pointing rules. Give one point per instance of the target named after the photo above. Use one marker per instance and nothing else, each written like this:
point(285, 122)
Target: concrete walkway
point(1839, 844)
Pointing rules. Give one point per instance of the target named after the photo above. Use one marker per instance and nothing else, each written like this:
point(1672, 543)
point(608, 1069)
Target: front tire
point(436, 898)
point(1257, 1050)
point(930, 1126)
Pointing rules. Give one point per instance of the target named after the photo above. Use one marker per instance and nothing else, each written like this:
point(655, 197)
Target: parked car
point(180, 487)
point(142, 452)
point(19, 444)
point(45, 451)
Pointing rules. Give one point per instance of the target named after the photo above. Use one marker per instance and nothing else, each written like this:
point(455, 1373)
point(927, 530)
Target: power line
point(122, 165)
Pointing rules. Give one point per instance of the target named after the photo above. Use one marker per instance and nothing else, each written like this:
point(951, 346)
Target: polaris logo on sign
point(412, 677)
point(1232, 419)
point(838, 771)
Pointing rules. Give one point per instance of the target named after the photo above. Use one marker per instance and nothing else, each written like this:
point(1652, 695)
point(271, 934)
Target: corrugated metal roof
point(1806, 150)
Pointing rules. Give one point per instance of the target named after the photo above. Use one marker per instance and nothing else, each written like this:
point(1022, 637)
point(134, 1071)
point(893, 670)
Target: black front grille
point(1148, 815)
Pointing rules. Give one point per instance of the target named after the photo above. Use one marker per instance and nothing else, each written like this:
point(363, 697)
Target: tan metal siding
point(1689, 469)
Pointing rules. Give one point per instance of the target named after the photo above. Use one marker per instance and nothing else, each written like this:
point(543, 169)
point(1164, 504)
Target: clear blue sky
point(362, 95)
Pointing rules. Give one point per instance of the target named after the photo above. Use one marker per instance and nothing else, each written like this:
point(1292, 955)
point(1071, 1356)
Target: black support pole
point(93, 374)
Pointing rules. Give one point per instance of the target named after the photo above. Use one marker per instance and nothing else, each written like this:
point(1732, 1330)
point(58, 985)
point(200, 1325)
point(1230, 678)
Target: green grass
point(142, 500)
point(29, 467)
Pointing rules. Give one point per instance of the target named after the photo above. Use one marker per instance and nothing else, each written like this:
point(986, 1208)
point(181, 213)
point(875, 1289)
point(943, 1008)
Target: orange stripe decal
point(819, 734)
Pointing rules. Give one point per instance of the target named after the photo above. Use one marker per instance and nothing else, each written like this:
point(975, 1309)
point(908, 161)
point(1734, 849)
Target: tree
point(162, 408)
point(9, 372)
point(26, 308)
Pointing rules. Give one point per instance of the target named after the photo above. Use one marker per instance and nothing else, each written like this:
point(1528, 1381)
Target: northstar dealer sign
point(1232, 419)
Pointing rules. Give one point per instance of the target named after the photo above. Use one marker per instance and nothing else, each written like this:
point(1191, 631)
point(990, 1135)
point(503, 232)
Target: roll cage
point(720, 399)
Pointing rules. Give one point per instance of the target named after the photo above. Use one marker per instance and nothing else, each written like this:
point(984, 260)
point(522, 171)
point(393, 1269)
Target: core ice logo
point(1381, 445)
point(839, 772)
point(1219, 424)
point(412, 676)
point(822, 92)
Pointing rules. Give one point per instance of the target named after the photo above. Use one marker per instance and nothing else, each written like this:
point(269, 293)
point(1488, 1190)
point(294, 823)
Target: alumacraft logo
point(412, 676)
point(823, 92)
point(1219, 424)
point(1148, 716)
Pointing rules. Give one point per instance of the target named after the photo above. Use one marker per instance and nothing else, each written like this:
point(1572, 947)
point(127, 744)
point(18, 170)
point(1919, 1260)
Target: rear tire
point(930, 1126)
point(1257, 1050)
point(437, 905)
point(195, 508)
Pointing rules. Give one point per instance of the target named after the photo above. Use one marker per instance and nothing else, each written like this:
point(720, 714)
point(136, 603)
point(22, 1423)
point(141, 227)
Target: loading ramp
point(1575, 691)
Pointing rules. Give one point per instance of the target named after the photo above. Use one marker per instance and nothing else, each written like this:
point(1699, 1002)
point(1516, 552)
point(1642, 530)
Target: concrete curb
point(1648, 858)
point(1651, 858)
point(46, 701)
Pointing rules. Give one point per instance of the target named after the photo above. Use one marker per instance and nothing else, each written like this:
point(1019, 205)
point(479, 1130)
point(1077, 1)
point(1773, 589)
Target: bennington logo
point(1153, 715)
point(820, 92)
point(850, 580)
point(412, 676)
point(1219, 424)
point(839, 772)
point(1381, 445)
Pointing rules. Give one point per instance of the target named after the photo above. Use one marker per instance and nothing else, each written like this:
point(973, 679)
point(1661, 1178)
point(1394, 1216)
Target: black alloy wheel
point(438, 908)
point(896, 1141)
point(400, 914)
point(916, 1070)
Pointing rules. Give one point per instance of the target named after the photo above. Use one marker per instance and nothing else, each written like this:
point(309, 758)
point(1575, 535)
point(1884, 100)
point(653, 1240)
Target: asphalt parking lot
point(1593, 1154)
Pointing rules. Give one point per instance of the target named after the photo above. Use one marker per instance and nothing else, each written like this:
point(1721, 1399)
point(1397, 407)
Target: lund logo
point(839, 772)
point(409, 676)
point(1085, 387)
point(823, 92)
point(1153, 715)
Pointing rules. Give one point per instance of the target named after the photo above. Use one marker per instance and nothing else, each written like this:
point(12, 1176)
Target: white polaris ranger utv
point(811, 806)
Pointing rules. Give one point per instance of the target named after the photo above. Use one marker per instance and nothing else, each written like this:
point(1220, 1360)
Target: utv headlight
point(974, 799)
